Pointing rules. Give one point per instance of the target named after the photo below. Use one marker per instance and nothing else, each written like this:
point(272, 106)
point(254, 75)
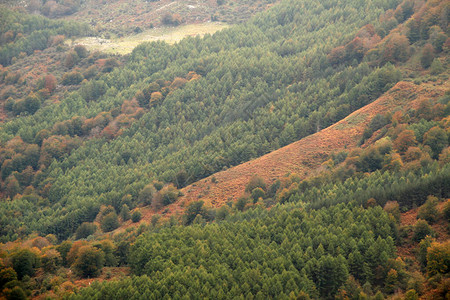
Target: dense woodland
point(96, 138)
point(180, 113)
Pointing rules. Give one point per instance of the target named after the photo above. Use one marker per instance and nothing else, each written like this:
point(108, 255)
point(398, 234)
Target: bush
point(81, 51)
point(146, 194)
point(241, 203)
point(155, 219)
point(255, 182)
point(222, 213)
point(166, 196)
point(195, 210)
point(436, 67)
point(169, 19)
point(72, 78)
point(136, 216)
point(257, 193)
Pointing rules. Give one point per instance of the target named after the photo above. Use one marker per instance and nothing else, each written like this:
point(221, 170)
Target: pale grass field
point(170, 35)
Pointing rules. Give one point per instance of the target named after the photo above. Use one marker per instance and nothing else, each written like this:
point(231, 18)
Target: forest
point(95, 138)
point(213, 109)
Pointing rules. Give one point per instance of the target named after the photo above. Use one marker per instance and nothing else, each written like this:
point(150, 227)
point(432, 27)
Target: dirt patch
point(170, 35)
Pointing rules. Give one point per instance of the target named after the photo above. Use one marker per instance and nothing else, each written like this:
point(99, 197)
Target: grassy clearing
point(170, 35)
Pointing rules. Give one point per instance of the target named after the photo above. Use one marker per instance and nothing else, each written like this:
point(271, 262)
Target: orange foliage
point(395, 49)
point(337, 55)
point(177, 83)
point(129, 107)
point(73, 252)
point(156, 97)
point(56, 40)
point(40, 242)
point(192, 76)
point(405, 139)
point(50, 82)
point(110, 131)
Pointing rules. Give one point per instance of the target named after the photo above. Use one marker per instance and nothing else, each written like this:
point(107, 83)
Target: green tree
point(136, 216)
point(222, 213)
point(109, 65)
point(436, 67)
point(331, 274)
point(72, 78)
point(64, 249)
point(7, 275)
point(241, 203)
point(109, 250)
point(81, 51)
point(255, 182)
point(109, 222)
point(32, 103)
point(51, 260)
point(446, 211)
point(411, 295)
point(428, 211)
point(194, 209)
point(393, 208)
point(125, 213)
point(146, 194)
point(421, 230)
point(437, 139)
point(89, 262)
point(427, 56)
point(16, 293)
point(422, 250)
point(84, 230)
point(165, 196)
point(257, 193)
point(25, 262)
point(438, 258)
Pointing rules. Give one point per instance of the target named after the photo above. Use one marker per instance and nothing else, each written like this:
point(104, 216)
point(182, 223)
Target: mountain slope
point(305, 156)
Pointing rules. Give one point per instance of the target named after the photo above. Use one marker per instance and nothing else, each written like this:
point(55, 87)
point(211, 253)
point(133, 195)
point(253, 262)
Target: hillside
point(301, 154)
point(303, 157)
point(127, 17)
